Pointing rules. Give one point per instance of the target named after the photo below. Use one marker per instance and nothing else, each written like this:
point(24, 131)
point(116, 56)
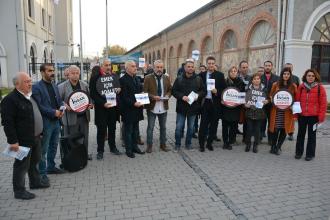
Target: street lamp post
point(81, 47)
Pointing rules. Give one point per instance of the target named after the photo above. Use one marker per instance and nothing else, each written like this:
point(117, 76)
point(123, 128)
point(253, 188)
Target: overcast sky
point(130, 21)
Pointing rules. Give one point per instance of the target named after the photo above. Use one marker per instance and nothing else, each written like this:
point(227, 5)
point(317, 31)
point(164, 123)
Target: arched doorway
point(191, 46)
point(321, 47)
point(172, 63)
point(206, 49)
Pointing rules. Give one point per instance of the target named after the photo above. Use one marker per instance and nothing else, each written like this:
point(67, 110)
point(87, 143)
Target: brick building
point(295, 31)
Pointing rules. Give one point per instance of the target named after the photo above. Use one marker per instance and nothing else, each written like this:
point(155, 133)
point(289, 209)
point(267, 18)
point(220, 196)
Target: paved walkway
point(188, 185)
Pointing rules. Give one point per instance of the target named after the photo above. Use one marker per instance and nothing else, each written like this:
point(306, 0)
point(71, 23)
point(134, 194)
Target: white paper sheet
point(111, 98)
point(143, 98)
point(192, 97)
point(20, 154)
point(210, 84)
point(296, 108)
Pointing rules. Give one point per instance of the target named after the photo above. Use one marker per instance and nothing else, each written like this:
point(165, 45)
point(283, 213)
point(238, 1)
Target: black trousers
point(265, 123)
point(304, 123)
point(110, 125)
point(278, 137)
point(253, 129)
point(131, 136)
point(208, 125)
point(229, 129)
point(27, 165)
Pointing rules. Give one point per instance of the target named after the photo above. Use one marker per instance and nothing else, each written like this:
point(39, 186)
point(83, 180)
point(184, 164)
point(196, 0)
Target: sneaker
point(290, 138)
point(99, 156)
point(56, 171)
point(176, 149)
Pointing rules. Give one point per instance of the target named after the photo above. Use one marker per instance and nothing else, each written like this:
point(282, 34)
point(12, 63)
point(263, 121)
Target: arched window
point(263, 34)
point(158, 55)
point(52, 56)
point(45, 56)
point(229, 40)
point(321, 47)
point(164, 55)
point(153, 56)
point(32, 60)
point(207, 45)
point(179, 53)
point(191, 46)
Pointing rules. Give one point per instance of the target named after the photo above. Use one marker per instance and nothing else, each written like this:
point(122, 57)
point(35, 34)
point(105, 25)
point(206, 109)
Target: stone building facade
point(254, 30)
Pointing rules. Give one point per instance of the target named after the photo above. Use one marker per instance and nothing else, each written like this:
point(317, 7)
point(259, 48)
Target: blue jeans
point(49, 142)
point(151, 125)
point(180, 121)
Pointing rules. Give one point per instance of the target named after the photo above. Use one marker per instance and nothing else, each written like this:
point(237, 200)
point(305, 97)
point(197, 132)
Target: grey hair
point(16, 77)
point(128, 62)
point(72, 68)
point(158, 62)
point(103, 60)
point(190, 60)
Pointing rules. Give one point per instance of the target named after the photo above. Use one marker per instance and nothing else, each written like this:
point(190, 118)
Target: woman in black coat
point(231, 115)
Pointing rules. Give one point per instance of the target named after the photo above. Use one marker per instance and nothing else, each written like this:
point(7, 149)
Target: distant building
point(33, 31)
point(254, 30)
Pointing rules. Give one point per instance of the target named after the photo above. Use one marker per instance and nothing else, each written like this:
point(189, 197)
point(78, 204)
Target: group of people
point(34, 116)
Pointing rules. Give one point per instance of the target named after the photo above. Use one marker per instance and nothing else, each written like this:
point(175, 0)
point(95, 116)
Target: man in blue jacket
point(46, 94)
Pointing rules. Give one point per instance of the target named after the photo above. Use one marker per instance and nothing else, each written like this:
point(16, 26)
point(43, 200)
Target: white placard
point(260, 102)
point(210, 84)
point(296, 108)
point(143, 98)
point(192, 97)
point(241, 96)
point(142, 62)
point(20, 154)
point(111, 98)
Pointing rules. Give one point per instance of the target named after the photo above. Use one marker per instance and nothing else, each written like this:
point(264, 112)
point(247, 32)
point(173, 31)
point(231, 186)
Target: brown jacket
point(150, 86)
point(288, 116)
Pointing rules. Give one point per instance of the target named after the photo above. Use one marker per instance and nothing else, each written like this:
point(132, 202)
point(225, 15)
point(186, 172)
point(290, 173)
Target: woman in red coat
point(313, 101)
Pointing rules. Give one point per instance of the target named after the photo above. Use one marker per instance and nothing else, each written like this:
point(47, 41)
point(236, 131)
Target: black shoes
point(255, 148)
point(247, 148)
point(56, 171)
point(138, 151)
point(115, 151)
point(210, 147)
point(308, 158)
point(297, 156)
point(202, 149)
point(99, 156)
point(290, 138)
point(130, 154)
point(25, 195)
point(194, 135)
point(227, 147)
point(40, 185)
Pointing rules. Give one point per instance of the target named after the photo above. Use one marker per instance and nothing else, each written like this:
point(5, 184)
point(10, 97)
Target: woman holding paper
point(313, 101)
point(230, 122)
point(255, 114)
point(281, 121)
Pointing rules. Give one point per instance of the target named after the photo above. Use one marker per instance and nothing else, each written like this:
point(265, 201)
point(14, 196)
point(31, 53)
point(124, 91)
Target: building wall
point(238, 16)
point(23, 32)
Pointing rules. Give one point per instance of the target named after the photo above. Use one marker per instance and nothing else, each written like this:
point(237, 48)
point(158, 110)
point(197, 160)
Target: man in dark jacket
point(106, 115)
point(187, 105)
point(131, 110)
point(267, 79)
point(22, 123)
point(46, 94)
point(211, 109)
